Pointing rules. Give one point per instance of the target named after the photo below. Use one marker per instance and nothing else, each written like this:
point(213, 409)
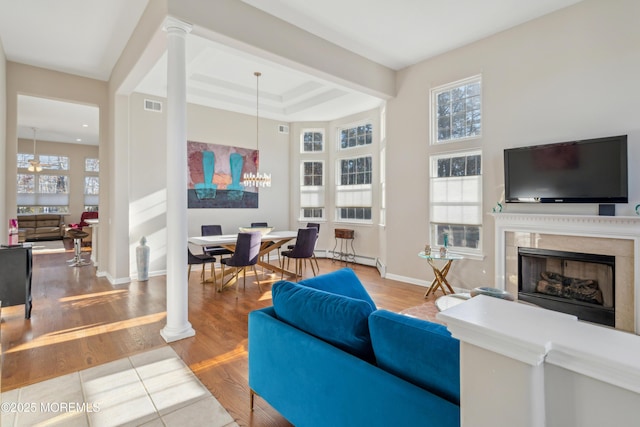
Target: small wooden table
point(440, 273)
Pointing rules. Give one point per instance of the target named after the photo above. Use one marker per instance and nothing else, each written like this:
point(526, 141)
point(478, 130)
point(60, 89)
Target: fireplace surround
point(618, 237)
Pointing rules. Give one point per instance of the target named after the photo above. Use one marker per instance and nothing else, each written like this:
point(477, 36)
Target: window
point(354, 190)
point(313, 140)
point(312, 190)
point(91, 165)
point(456, 200)
point(39, 193)
point(42, 191)
point(356, 136)
point(91, 184)
point(456, 111)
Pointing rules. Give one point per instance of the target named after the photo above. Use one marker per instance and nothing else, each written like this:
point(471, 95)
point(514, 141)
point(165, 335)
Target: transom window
point(356, 136)
point(313, 140)
point(456, 110)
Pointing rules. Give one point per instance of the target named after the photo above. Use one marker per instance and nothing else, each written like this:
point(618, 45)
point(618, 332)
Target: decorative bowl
point(263, 230)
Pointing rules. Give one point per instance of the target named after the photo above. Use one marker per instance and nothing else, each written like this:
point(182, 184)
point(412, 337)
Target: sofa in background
point(40, 227)
point(324, 355)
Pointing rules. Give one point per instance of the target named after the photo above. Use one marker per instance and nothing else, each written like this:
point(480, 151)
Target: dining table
point(271, 241)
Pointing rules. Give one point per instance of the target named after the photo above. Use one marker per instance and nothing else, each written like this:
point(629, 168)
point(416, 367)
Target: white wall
point(147, 174)
point(573, 74)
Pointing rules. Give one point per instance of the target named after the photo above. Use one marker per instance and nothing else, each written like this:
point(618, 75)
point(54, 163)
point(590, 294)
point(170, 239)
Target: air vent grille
point(283, 129)
point(151, 105)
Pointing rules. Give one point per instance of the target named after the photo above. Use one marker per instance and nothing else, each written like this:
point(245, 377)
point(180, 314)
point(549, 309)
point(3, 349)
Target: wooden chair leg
point(258, 281)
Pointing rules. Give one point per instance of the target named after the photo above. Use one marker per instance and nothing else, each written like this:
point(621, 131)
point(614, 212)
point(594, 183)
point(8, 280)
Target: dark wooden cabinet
point(15, 277)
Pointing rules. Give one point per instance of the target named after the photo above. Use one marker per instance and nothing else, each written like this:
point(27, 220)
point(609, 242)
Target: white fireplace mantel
point(611, 227)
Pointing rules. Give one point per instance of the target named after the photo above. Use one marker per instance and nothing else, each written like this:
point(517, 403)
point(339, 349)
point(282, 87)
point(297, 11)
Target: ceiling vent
point(151, 105)
point(283, 129)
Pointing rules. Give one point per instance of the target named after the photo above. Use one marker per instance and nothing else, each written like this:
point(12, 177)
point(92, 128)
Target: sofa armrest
point(313, 383)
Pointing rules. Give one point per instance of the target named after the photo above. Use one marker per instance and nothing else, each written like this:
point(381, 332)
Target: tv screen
point(586, 171)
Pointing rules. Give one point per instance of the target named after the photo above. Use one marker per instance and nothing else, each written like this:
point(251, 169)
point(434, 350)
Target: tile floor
point(150, 389)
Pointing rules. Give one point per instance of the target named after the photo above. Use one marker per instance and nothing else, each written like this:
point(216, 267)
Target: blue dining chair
point(245, 255)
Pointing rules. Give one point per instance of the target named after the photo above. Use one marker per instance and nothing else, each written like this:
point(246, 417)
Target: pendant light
point(259, 179)
point(34, 164)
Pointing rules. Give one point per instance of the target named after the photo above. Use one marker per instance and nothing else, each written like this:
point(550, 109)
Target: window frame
point(365, 191)
point(434, 222)
point(314, 131)
point(317, 190)
point(434, 109)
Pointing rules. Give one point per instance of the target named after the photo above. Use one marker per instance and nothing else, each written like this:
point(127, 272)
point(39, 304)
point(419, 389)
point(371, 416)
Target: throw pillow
point(341, 282)
point(337, 319)
point(419, 351)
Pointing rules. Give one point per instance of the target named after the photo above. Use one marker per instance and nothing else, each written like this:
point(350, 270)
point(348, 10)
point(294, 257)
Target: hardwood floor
point(79, 321)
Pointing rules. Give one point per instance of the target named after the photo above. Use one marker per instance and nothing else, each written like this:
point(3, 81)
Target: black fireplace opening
point(574, 283)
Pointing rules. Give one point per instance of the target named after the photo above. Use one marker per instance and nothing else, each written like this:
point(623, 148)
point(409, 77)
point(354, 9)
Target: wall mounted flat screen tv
point(585, 171)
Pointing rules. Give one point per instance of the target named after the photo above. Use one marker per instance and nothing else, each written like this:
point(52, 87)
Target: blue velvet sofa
point(324, 355)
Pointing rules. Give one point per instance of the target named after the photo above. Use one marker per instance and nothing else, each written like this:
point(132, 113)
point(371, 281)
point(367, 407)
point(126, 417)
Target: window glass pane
point(457, 110)
point(91, 165)
point(26, 183)
point(356, 136)
point(53, 184)
point(54, 162)
point(23, 160)
point(91, 185)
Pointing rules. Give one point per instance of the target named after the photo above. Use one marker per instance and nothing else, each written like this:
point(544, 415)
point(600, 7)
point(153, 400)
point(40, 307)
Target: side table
point(345, 237)
point(440, 273)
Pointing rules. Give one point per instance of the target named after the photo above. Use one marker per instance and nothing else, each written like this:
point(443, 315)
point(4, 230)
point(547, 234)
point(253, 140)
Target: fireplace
point(574, 283)
point(617, 236)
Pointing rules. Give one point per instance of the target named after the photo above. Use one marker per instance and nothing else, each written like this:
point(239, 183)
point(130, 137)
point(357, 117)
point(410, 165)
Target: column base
point(171, 335)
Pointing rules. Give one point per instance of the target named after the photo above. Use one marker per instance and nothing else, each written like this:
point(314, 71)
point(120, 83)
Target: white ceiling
point(86, 37)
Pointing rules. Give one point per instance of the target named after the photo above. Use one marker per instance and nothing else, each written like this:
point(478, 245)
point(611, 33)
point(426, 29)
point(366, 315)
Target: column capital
point(171, 23)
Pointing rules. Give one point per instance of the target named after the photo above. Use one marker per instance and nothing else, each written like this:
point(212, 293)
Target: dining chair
point(213, 230)
point(317, 227)
point(195, 259)
point(302, 250)
point(245, 255)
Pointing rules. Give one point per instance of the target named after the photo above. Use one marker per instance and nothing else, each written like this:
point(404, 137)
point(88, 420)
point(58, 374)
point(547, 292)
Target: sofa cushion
point(419, 351)
point(341, 282)
point(337, 319)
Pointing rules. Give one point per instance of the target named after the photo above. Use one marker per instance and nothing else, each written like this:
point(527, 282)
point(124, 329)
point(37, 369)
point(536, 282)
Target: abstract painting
point(215, 176)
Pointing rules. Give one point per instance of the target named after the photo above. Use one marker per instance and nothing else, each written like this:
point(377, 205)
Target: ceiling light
point(259, 179)
point(34, 164)
point(85, 125)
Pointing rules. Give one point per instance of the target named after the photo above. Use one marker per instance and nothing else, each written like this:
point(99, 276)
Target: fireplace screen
point(573, 283)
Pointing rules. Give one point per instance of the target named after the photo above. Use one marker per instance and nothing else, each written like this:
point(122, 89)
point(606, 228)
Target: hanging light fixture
point(258, 179)
point(34, 164)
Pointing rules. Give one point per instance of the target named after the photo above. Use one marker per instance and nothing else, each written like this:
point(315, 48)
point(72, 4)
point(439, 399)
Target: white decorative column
point(178, 326)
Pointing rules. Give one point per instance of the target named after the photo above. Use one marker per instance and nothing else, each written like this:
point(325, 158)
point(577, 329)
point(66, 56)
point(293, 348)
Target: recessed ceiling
point(86, 37)
point(223, 78)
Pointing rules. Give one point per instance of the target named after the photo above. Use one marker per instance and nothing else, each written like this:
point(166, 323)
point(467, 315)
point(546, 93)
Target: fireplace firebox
point(574, 283)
